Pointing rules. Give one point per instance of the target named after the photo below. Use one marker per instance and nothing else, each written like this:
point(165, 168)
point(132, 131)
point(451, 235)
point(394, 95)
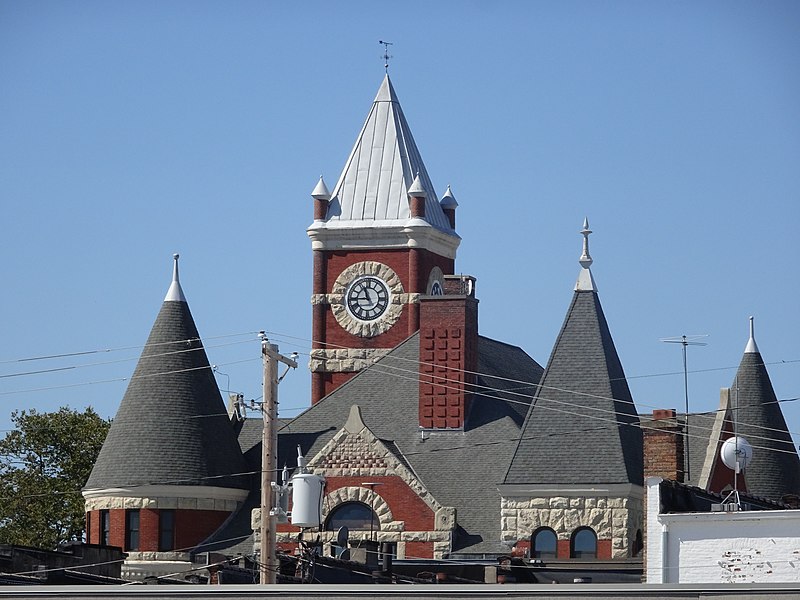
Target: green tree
point(44, 463)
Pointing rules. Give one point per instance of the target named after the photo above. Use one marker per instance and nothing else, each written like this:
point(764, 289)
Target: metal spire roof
point(583, 405)
point(373, 188)
point(172, 427)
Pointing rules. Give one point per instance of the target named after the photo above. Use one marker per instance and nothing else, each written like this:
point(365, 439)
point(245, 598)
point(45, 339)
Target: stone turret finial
point(416, 190)
point(751, 347)
point(585, 259)
point(320, 191)
point(448, 200)
point(175, 292)
point(585, 279)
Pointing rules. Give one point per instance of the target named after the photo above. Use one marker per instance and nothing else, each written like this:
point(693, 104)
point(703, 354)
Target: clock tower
point(380, 240)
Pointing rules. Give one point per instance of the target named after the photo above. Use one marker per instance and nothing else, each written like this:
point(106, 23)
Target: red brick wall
point(562, 549)
point(604, 549)
point(448, 359)
point(191, 527)
point(663, 447)
point(419, 550)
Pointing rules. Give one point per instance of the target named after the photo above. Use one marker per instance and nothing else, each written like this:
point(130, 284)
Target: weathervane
point(386, 56)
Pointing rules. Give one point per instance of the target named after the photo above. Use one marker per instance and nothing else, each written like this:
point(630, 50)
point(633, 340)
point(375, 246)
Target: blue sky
point(132, 130)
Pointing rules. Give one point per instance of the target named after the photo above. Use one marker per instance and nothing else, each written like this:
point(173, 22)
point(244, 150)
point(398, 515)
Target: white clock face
point(367, 298)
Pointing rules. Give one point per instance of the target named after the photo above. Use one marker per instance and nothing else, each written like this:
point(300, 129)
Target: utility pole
point(269, 454)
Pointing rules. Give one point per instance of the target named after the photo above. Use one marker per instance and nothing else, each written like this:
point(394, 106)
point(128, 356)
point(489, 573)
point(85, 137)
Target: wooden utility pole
point(269, 455)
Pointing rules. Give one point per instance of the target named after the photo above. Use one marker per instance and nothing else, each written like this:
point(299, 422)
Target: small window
point(166, 530)
point(583, 543)
point(132, 530)
point(353, 515)
point(88, 528)
point(105, 527)
point(544, 543)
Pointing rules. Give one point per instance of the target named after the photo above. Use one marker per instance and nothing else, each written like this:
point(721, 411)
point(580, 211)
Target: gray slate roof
point(775, 468)
point(582, 427)
point(460, 469)
point(172, 426)
point(373, 187)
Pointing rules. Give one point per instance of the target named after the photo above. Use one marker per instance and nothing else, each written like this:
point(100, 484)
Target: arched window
point(638, 544)
point(544, 543)
point(583, 543)
point(353, 515)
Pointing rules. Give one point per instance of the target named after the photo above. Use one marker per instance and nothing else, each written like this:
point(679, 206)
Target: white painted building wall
point(721, 547)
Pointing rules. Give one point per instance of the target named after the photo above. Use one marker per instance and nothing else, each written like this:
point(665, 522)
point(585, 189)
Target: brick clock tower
point(381, 240)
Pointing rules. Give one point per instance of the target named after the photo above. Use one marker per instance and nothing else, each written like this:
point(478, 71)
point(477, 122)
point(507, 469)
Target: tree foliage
point(44, 463)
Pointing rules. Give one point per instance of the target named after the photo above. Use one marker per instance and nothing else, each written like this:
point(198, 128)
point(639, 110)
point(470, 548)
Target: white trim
point(616, 490)
point(400, 233)
point(168, 491)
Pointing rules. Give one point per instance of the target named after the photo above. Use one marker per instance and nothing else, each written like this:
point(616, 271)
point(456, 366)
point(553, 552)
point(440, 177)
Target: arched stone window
point(583, 543)
point(353, 515)
point(544, 543)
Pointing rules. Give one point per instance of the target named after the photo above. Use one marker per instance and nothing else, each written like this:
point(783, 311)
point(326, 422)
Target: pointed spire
point(320, 191)
point(585, 281)
point(751, 347)
point(175, 292)
point(373, 188)
point(448, 200)
point(386, 92)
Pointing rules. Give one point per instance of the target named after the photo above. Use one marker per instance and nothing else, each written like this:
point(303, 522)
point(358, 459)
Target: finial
point(448, 200)
point(751, 347)
point(386, 56)
point(585, 280)
point(416, 190)
point(585, 260)
point(175, 293)
point(320, 191)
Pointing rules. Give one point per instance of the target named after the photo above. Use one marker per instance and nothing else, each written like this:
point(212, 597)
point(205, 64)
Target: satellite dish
point(736, 453)
point(341, 536)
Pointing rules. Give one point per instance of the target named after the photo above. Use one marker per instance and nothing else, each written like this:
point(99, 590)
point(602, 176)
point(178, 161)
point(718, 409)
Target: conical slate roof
point(172, 426)
point(372, 190)
point(582, 427)
point(775, 468)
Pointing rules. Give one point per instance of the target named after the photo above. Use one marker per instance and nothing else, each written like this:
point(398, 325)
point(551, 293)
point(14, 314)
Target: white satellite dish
point(736, 453)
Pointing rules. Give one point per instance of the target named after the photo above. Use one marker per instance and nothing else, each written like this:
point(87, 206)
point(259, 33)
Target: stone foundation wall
point(612, 518)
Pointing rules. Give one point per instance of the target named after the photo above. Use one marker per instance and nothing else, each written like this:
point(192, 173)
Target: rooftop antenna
point(386, 56)
point(684, 341)
point(736, 454)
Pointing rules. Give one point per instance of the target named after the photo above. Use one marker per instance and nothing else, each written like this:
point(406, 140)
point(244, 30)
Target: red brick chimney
point(448, 351)
point(663, 446)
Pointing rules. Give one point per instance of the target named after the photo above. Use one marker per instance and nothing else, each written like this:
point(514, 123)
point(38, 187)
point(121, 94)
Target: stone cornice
point(616, 490)
point(401, 234)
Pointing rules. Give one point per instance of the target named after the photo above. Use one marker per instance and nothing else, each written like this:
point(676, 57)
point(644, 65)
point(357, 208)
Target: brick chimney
point(663, 446)
point(448, 340)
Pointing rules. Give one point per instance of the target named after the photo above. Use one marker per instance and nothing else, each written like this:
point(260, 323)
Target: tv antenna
point(685, 341)
point(386, 56)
